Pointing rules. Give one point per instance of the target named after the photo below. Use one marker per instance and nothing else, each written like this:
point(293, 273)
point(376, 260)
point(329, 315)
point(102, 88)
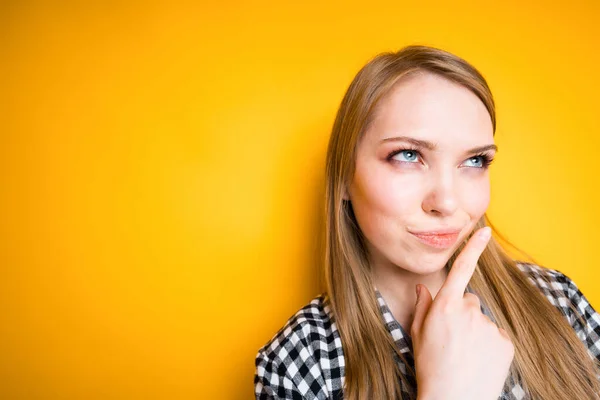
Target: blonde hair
point(550, 362)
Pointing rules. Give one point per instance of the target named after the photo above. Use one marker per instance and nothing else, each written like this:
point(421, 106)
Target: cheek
point(475, 197)
point(382, 203)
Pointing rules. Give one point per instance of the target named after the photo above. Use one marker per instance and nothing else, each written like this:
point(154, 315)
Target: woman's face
point(419, 168)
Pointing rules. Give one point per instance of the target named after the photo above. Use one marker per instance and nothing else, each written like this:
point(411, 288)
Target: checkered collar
point(401, 337)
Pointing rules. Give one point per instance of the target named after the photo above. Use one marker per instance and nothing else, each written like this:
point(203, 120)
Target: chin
point(426, 264)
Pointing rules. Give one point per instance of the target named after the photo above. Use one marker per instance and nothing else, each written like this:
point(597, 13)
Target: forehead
point(430, 107)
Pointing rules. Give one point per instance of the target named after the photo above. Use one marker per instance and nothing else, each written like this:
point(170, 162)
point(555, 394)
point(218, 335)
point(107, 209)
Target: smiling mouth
point(438, 241)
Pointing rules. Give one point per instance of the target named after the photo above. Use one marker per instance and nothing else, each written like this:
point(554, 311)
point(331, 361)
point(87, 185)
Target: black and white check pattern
point(304, 359)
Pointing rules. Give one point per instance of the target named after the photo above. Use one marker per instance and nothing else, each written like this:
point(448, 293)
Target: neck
point(397, 286)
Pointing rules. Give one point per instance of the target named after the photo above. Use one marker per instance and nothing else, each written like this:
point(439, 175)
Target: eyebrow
point(432, 146)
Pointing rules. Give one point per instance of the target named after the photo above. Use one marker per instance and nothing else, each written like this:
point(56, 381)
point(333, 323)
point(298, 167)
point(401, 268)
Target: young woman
point(407, 189)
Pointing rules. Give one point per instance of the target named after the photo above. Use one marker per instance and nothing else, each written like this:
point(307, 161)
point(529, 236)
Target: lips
point(446, 231)
point(439, 239)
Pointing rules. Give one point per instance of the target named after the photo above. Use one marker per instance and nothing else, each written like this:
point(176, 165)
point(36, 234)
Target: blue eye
point(481, 161)
point(479, 164)
point(411, 155)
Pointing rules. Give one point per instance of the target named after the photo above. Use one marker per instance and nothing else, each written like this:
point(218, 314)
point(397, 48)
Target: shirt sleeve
point(296, 377)
point(303, 360)
point(584, 318)
point(271, 381)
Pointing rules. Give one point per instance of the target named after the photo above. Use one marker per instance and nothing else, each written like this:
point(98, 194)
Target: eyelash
point(486, 159)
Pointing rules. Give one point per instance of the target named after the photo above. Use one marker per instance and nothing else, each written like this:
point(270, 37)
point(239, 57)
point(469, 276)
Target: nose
point(441, 198)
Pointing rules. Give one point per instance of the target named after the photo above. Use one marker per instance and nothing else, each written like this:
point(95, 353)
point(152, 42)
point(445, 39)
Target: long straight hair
point(550, 362)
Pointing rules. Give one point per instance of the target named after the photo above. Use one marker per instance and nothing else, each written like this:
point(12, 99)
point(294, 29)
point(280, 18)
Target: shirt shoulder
point(304, 358)
point(566, 296)
point(309, 325)
point(560, 290)
point(555, 285)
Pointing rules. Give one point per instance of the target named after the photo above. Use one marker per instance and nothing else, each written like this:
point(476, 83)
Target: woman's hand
point(459, 352)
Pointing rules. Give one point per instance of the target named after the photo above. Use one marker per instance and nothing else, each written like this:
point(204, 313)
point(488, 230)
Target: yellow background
point(162, 169)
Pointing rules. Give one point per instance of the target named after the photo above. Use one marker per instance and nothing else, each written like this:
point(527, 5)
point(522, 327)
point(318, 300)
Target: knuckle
point(445, 309)
point(460, 263)
point(472, 299)
point(485, 320)
point(489, 322)
point(444, 306)
point(475, 317)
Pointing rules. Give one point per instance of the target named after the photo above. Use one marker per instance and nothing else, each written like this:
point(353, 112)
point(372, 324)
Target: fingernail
point(485, 233)
point(418, 289)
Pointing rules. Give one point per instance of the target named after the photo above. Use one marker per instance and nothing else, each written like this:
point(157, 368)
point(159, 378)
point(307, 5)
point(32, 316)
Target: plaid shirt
point(305, 360)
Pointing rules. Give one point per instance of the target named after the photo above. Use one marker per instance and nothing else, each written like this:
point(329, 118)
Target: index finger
point(462, 270)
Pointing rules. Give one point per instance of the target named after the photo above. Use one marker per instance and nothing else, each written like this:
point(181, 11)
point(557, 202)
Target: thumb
point(424, 301)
